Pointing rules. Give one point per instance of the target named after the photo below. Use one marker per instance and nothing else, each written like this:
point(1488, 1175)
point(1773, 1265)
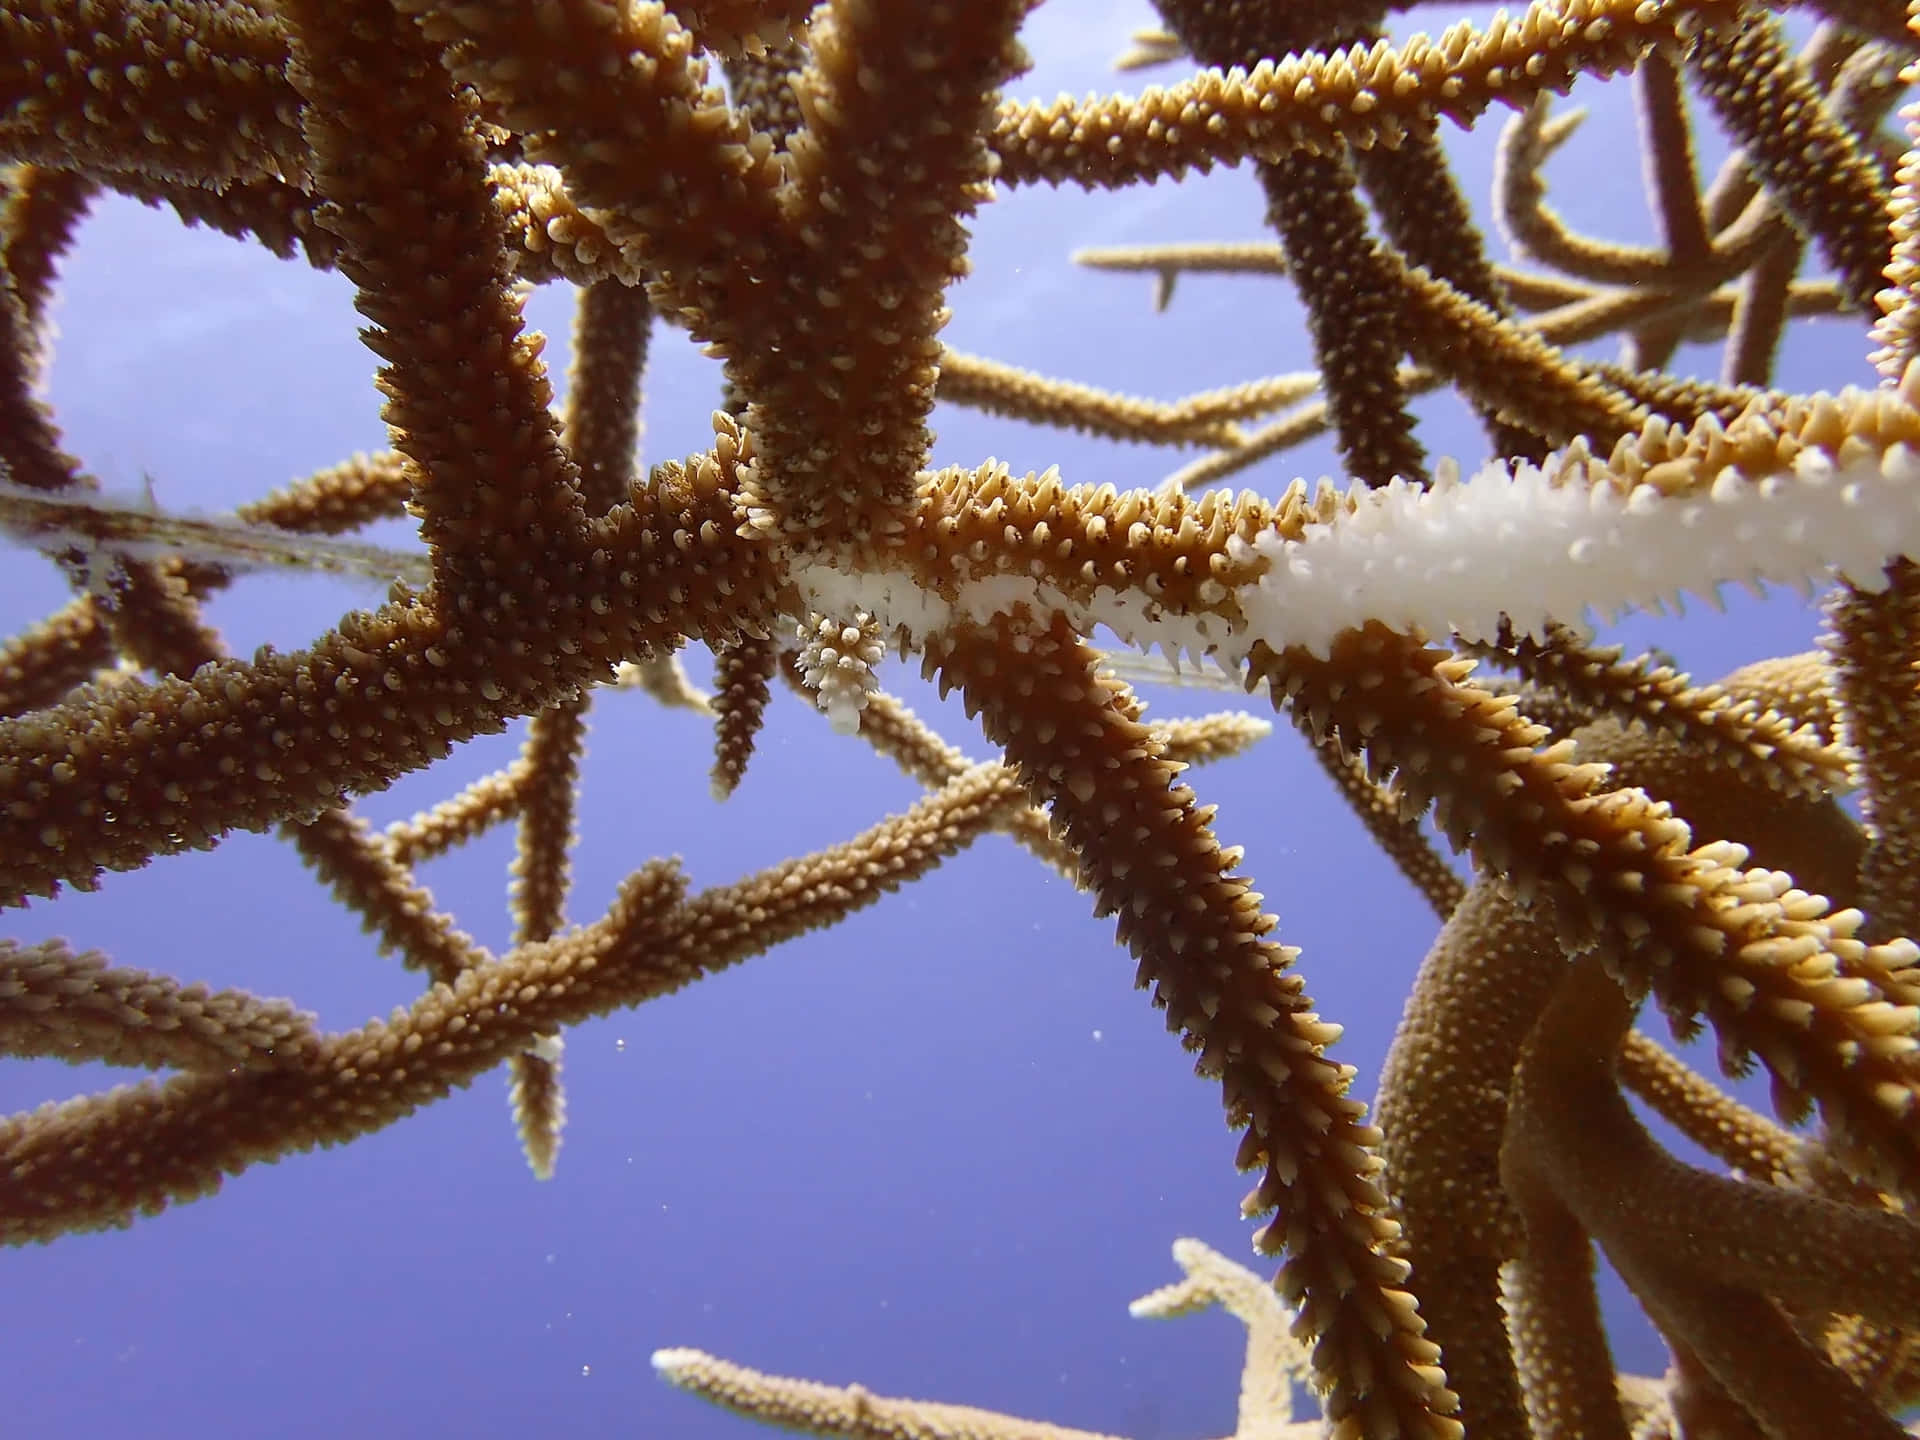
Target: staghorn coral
point(436, 160)
point(1274, 1362)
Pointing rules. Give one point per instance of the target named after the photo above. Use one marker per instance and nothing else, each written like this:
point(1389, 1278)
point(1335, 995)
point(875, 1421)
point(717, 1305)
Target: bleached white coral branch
point(1531, 546)
point(1829, 489)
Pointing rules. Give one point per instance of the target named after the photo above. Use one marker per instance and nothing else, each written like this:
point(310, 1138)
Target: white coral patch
point(1462, 554)
point(837, 660)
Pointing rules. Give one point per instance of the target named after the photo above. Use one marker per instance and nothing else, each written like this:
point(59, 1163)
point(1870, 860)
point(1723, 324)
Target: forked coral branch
point(1633, 835)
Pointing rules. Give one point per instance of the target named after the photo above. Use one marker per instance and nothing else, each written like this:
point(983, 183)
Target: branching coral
point(807, 225)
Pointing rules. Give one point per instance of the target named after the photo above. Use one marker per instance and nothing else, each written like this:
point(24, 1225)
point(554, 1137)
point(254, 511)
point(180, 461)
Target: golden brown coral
point(442, 156)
